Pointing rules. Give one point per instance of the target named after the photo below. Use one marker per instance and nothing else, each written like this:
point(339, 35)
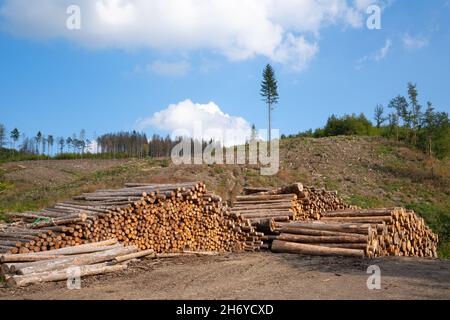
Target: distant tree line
point(112, 145)
point(405, 120)
point(135, 144)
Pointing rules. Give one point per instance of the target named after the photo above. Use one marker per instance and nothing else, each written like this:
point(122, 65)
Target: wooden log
point(332, 226)
point(267, 214)
point(299, 248)
point(10, 243)
point(64, 274)
point(266, 226)
point(86, 248)
point(313, 232)
point(358, 213)
point(270, 206)
point(322, 239)
point(135, 255)
point(252, 190)
point(360, 246)
point(266, 197)
point(375, 220)
point(57, 222)
point(296, 188)
point(256, 221)
point(66, 262)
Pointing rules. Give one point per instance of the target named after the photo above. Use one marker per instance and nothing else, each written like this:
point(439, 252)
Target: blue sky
point(60, 83)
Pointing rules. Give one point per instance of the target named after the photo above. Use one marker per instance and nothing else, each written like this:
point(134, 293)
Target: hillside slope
point(369, 172)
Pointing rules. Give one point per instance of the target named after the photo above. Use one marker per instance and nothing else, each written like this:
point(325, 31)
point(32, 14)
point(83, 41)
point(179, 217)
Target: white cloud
point(238, 29)
point(382, 53)
point(200, 121)
point(92, 147)
point(296, 52)
point(411, 42)
point(176, 69)
point(376, 56)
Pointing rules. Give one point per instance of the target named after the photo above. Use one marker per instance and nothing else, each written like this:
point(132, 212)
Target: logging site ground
point(368, 172)
point(256, 276)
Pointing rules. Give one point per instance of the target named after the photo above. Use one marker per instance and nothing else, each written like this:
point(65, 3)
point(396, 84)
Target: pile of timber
point(76, 262)
point(401, 232)
point(258, 208)
point(161, 217)
point(311, 202)
point(369, 232)
point(314, 202)
point(62, 264)
point(319, 238)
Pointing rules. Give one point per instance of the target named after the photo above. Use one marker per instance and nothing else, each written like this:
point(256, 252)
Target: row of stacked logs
point(310, 202)
point(256, 208)
point(174, 221)
point(400, 232)
point(314, 202)
point(163, 217)
point(343, 229)
point(318, 238)
point(369, 232)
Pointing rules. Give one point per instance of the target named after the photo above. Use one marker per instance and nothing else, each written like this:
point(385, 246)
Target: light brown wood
point(299, 248)
point(64, 274)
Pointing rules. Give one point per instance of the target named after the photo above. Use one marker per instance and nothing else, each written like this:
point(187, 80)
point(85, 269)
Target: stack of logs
point(310, 202)
point(318, 238)
point(368, 232)
point(73, 263)
point(164, 218)
point(68, 263)
point(400, 232)
point(257, 208)
point(343, 229)
point(314, 202)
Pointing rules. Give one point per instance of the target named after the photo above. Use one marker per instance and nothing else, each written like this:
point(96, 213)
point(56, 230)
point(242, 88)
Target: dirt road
point(256, 276)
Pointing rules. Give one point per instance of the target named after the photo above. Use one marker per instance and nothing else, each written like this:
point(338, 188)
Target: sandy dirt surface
point(256, 276)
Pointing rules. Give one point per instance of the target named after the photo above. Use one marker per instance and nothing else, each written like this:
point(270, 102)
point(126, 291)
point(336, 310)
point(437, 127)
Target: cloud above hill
point(200, 121)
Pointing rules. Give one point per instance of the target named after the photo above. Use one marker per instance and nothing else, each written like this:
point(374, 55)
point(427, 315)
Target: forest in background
point(403, 120)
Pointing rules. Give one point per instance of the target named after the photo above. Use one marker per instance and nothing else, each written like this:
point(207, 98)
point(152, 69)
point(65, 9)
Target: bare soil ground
point(256, 276)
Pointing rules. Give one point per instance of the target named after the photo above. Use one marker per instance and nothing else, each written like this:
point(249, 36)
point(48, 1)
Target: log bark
point(63, 263)
point(375, 220)
point(265, 197)
point(63, 274)
point(322, 239)
point(312, 232)
point(299, 248)
point(87, 248)
point(339, 227)
point(135, 255)
point(358, 213)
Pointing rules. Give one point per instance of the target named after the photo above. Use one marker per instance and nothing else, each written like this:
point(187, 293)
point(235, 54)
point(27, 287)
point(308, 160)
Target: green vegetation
point(269, 93)
point(364, 201)
point(428, 130)
point(218, 170)
point(382, 150)
point(7, 155)
point(165, 163)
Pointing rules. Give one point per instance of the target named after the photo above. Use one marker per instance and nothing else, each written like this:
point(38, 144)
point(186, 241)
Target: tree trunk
point(270, 128)
point(322, 239)
point(289, 247)
point(59, 275)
